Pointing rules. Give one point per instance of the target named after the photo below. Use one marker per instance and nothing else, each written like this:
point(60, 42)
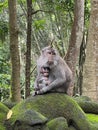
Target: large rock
point(51, 106)
point(26, 120)
point(59, 123)
point(87, 105)
point(3, 115)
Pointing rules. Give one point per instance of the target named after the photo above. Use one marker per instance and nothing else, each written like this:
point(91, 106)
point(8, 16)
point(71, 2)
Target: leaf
point(9, 114)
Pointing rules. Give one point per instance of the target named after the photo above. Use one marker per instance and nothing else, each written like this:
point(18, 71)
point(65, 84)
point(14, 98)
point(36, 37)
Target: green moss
point(58, 124)
point(54, 106)
point(30, 117)
point(2, 127)
point(9, 103)
point(3, 114)
point(93, 118)
point(82, 98)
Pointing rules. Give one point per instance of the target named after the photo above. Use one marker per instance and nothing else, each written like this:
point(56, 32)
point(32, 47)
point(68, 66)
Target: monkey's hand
point(42, 91)
point(39, 92)
point(34, 93)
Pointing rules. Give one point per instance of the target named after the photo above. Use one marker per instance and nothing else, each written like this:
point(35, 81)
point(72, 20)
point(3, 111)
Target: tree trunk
point(28, 44)
point(90, 68)
point(76, 38)
point(14, 52)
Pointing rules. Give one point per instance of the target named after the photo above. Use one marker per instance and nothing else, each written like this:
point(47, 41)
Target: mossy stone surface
point(59, 123)
point(3, 115)
point(27, 120)
point(9, 103)
point(87, 105)
point(54, 105)
point(93, 118)
point(31, 117)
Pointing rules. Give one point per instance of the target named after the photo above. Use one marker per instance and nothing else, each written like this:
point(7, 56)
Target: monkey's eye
point(49, 52)
point(53, 53)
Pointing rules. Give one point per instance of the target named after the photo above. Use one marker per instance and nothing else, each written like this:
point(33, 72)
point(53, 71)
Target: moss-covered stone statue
point(52, 111)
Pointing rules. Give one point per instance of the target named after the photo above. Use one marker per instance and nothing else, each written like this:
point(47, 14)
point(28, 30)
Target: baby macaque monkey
point(43, 80)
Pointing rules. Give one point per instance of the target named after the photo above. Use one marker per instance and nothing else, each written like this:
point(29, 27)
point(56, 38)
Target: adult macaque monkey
point(59, 74)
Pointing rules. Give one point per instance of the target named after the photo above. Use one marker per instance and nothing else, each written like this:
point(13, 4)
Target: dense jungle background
point(26, 26)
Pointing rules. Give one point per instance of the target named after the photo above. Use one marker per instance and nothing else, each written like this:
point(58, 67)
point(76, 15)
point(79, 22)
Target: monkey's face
point(50, 57)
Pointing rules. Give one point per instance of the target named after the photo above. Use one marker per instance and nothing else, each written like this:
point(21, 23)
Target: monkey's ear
point(42, 51)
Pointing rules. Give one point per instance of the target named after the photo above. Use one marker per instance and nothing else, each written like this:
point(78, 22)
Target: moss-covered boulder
point(87, 105)
point(51, 106)
point(59, 123)
point(26, 120)
point(3, 112)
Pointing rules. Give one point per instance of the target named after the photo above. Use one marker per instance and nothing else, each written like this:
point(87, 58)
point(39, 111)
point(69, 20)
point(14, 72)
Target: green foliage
point(5, 69)
point(87, 12)
point(34, 0)
point(4, 86)
point(3, 4)
point(64, 5)
point(55, 18)
point(4, 79)
point(39, 24)
point(3, 21)
point(4, 59)
point(21, 1)
point(3, 30)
